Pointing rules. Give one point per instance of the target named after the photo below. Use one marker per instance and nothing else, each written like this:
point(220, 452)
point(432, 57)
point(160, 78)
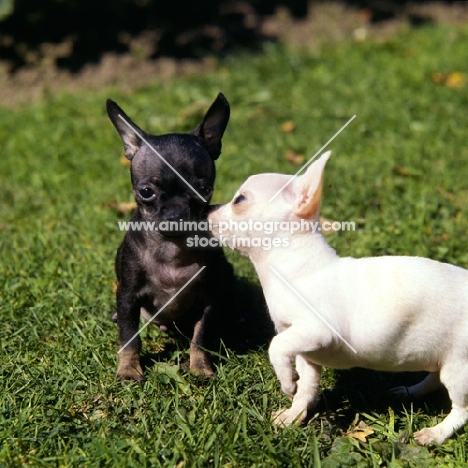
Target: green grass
point(400, 171)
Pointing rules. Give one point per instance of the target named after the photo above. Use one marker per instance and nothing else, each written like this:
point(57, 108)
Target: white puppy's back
point(388, 309)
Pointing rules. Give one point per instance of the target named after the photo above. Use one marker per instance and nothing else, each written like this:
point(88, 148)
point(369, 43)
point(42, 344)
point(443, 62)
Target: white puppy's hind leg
point(428, 385)
point(306, 394)
point(455, 378)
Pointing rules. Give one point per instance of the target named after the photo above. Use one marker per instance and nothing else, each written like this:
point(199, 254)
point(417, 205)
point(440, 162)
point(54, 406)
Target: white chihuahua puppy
point(382, 313)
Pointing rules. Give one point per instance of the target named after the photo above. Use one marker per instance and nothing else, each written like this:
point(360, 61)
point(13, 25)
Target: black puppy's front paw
point(129, 366)
point(203, 371)
point(127, 375)
point(200, 363)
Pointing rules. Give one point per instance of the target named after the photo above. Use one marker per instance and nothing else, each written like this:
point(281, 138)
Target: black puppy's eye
point(146, 193)
point(238, 199)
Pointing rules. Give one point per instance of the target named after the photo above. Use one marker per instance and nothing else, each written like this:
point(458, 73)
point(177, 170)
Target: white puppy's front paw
point(286, 417)
point(429, 434)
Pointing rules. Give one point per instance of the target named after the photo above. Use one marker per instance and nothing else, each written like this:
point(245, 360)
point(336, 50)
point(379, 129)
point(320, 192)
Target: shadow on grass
point(358, 391)
point(244, 325)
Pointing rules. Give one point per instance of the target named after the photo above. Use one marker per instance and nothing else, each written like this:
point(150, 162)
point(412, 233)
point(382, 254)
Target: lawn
point(399, 171)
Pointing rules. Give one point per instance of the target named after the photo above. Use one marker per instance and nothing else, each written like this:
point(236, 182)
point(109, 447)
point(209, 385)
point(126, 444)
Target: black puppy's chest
point(166, 275)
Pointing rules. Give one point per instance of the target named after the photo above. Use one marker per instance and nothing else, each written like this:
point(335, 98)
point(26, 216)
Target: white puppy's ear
point(308, 189)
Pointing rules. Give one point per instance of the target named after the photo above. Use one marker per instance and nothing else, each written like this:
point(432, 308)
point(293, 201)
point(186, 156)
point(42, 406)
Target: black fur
point(153, 265)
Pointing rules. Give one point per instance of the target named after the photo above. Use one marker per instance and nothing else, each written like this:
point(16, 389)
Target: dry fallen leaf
point(360, 432)
point(294, 157)
point(405, 171)
point(288, 126)
point(452, 80)
point(124, 161)
point(124, 208)
point(455, 80)
point(197, 109)
point(326, 229)
point(121, 208)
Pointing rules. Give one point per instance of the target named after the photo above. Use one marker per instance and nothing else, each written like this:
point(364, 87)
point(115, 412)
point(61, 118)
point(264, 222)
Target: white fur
point(382, 313)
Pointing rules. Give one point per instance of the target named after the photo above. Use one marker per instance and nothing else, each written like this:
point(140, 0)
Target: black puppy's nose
point(174, 217)
point(176, 213)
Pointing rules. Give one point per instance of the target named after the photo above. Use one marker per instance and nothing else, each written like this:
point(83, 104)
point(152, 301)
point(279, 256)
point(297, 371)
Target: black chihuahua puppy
point(160, 270)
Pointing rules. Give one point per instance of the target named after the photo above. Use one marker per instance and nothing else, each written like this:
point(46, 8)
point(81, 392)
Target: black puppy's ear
point(211, 129)
point(128, 131)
